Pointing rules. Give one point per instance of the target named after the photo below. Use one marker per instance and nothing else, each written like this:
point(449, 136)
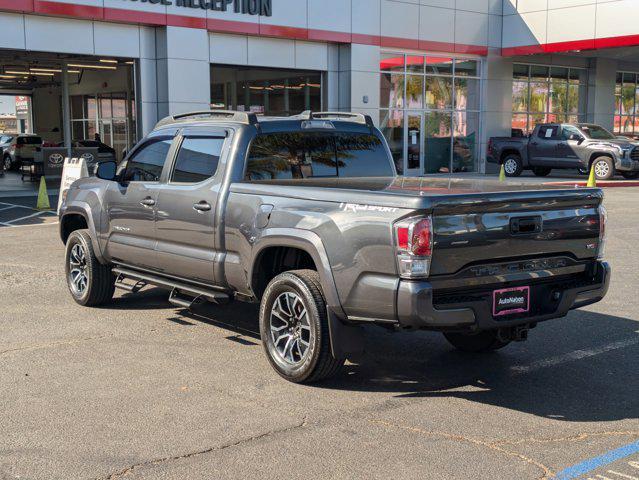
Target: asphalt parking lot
point(143, 390)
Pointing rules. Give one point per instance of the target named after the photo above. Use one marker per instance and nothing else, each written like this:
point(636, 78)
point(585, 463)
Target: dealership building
point(439, 77)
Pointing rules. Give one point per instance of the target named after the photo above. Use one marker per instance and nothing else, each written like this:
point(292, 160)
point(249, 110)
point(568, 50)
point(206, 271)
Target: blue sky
point(7, 104)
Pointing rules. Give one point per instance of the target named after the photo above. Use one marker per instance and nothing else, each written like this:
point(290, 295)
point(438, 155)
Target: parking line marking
point(572, 356)
point(8, 208)
point(30, 225)
point(596, 462)
point(27, 217)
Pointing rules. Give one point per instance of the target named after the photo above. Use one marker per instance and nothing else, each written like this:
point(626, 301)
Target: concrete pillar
point(602, 75)
point(360, 77)
point(496, 112)
point(146, 83)
point(183, 70)
point(66, 110)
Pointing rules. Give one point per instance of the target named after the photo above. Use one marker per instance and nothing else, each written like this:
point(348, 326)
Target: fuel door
point(263, 216)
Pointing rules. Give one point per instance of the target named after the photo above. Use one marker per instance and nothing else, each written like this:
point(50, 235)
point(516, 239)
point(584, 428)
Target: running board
point(178, 289)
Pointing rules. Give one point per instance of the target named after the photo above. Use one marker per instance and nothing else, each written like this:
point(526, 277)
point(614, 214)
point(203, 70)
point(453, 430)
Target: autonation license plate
point(511, 300)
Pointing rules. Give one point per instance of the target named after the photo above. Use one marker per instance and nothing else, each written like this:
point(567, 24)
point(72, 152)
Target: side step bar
point(179, 290)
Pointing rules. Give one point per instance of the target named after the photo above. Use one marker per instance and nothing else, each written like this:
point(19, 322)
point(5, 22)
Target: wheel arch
point(76, 217)
point(346, 339)
point(596, 155)
point(300, 240)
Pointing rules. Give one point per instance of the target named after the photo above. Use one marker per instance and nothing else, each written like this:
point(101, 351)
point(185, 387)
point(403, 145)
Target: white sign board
point(74, 168)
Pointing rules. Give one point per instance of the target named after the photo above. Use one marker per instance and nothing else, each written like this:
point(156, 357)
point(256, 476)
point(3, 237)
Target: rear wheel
point(630, 175)
point(512, 165)
point(90, 283)
point(541, 171)
point(485, 341)
point(7, 163)
point(294, 328)
point(604, 168)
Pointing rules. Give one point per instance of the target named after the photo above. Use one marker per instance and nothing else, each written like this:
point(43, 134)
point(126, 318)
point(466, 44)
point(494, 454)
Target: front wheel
point(90, 283)
point(294, 328)
point(630, 175)
point(7, 163)
point(513, 165)
point(485, 341)
point(604, 168)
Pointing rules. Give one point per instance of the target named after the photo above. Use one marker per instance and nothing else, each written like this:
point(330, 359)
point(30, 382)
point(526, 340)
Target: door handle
point(202, 206)
point(147, 202)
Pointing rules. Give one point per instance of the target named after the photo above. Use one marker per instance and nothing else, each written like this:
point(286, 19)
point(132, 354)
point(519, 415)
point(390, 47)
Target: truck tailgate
point(484, 230)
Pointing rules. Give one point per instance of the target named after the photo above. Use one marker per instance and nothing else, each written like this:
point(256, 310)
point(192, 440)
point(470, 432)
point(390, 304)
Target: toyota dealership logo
point(56, 159)
point(88, 157)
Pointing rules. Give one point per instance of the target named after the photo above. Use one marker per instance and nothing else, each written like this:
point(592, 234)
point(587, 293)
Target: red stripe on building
point(399, 42)
point(365, 39)
point(25, 6)
point(185, 21)
point(572, 45)
point(329, 36)
point(436, 46)
point(229, 26)
point(284, 32)
point(68, 10)
point(140, 17)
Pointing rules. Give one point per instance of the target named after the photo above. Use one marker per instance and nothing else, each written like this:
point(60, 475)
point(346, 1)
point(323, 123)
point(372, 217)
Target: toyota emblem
point(56, 158)
point(87, 156)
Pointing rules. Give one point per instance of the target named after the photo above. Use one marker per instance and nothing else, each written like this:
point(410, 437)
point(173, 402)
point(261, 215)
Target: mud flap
point(347, 341)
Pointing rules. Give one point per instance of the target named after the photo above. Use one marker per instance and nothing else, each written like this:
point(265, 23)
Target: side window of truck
point(549, 132)
point(285, 156)
point(147, 162)
point(197, 159)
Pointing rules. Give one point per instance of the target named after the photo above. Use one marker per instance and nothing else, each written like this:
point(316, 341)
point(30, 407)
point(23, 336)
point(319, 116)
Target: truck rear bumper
point(419, 306)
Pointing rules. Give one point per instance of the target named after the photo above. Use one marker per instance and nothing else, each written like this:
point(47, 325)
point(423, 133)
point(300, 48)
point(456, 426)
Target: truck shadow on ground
point(570, 369)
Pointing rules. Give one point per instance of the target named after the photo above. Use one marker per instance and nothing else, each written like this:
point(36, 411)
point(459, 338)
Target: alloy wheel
point(78, 270)
point(510, 166)
point(290, 328)
point(602, 169)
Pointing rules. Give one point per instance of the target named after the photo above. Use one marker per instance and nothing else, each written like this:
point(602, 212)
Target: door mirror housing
point(106, 170)
point(576, 137)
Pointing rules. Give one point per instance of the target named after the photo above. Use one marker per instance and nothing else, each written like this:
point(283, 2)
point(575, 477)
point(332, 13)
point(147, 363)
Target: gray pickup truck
point(307, 216)
point(561, 146)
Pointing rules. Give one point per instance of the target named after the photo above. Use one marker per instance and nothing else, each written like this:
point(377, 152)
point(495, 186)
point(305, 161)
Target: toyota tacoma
point(307, 216)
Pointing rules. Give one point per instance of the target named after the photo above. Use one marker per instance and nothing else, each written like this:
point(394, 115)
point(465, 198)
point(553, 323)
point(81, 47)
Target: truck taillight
point(414, 244)
point(603, 218)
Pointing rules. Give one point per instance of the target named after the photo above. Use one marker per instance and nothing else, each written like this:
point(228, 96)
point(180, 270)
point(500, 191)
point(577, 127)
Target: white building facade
point(439, 77)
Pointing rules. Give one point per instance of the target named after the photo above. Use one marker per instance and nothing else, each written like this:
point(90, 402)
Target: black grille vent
point(634, 153)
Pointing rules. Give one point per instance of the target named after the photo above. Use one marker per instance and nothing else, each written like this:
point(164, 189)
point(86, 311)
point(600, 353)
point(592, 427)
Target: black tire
point(100, 282)
point(317, 361)
point(485, 341)
point(604, 168)
point(7, 163)
point(513, 165)
point(542, 171)
point(630, 175)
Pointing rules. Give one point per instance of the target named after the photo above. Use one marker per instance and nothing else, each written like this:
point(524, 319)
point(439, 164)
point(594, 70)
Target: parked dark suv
point(307, 217)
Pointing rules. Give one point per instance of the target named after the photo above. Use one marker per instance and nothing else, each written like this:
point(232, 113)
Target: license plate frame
point(512, 293)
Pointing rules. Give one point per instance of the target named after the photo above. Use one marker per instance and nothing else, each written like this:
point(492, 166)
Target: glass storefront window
point(626, 120)
point(439, 93)
point(391, 123)
point(419, 107)
point(547, 94)
point(266, 91)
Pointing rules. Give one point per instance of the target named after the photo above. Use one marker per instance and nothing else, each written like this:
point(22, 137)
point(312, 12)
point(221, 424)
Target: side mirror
point(575, 137)
point(106, 170)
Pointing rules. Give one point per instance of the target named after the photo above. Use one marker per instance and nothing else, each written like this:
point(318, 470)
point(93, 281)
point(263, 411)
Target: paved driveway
point(143, 390)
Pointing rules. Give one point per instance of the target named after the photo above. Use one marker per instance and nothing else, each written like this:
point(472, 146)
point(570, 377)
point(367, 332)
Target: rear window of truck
point(296, 155)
